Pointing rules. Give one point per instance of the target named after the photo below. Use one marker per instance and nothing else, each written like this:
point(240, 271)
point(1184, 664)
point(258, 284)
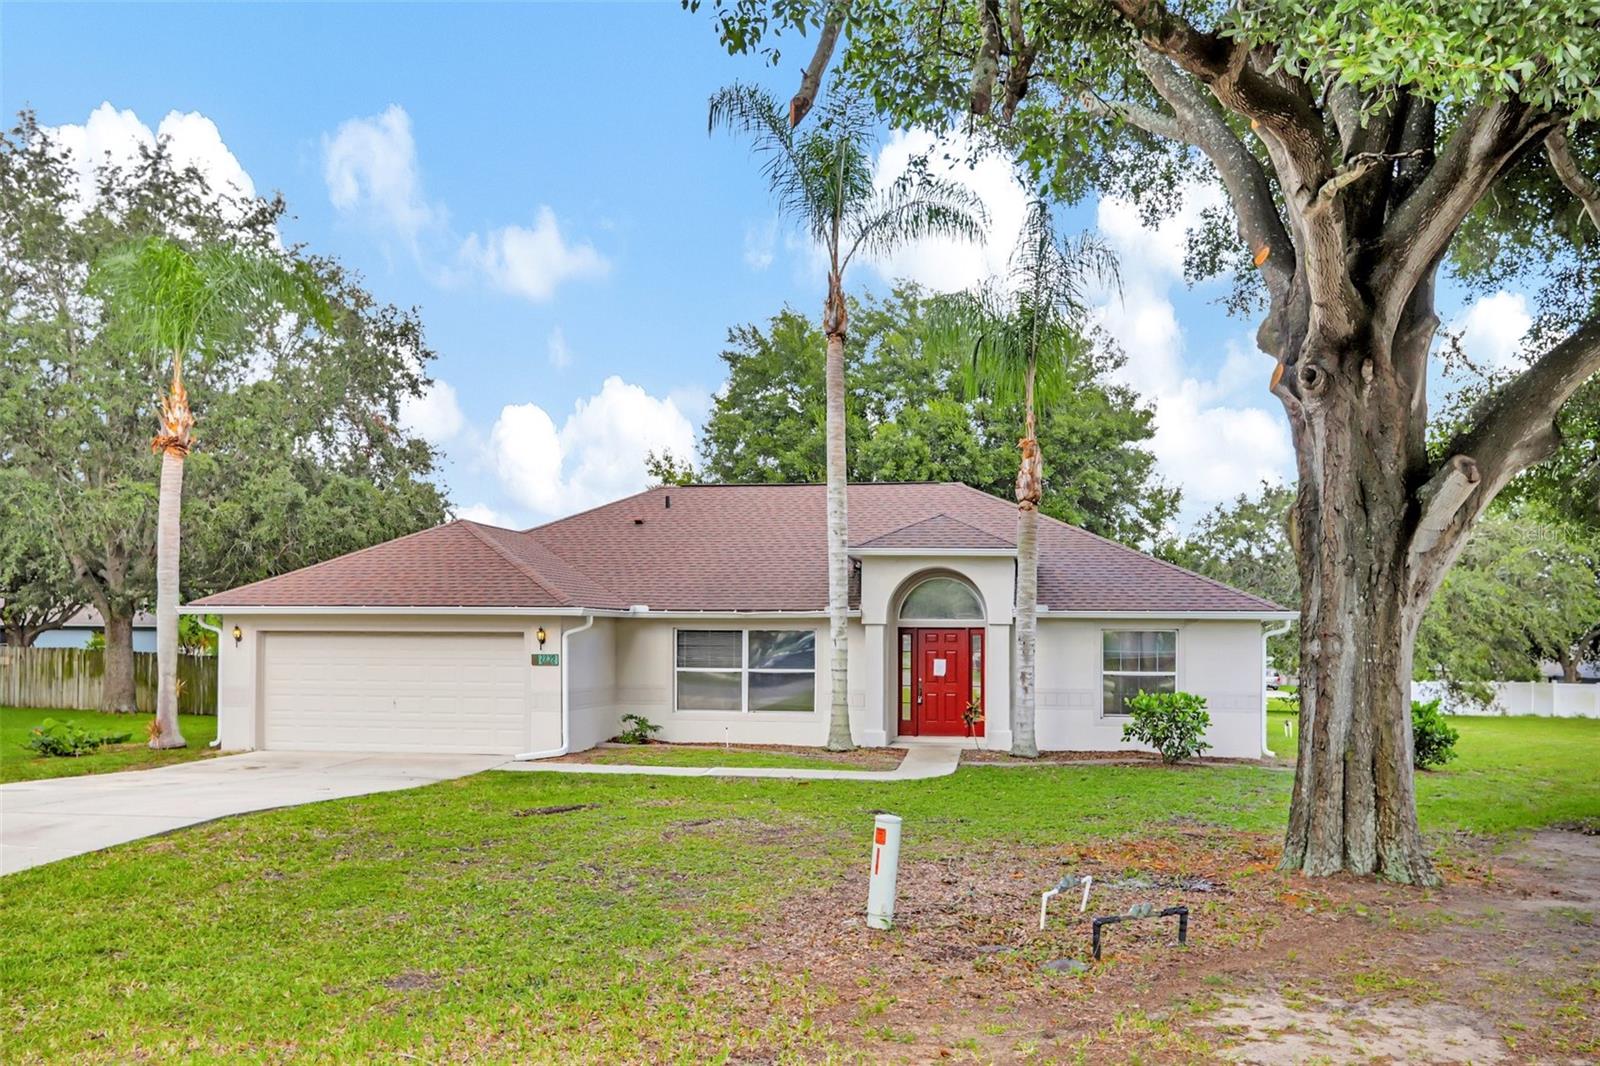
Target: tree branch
point(811, 77)
point(1579, 184)
point(986, 67)
point(1145, 118)
point(1514, 428)
point(1419, 232)
point(1255, 208)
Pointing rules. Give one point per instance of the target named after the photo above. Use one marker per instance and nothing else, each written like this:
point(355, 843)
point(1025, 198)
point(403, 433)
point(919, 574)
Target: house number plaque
point(544, 659)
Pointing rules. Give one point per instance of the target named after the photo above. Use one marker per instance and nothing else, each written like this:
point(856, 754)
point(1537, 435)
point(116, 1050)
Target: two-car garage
point(456, 692)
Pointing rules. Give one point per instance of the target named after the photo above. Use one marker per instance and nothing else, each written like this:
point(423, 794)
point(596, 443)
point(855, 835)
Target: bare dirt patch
point(1502, 965)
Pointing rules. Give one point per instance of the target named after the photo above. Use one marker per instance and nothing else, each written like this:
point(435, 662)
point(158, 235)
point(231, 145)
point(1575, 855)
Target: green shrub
point(1433, 740)
point(1173, 723)
point(67, 739)
point(639, 729)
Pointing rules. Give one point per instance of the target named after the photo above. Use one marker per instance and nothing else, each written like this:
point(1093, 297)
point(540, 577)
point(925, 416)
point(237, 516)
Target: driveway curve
point(43, 821)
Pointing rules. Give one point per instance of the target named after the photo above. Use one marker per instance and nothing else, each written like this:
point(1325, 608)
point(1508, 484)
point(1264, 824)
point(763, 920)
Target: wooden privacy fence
point(73, 679)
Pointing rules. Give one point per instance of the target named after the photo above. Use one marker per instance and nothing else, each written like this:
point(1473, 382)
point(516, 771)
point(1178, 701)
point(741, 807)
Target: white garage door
point(444, 692)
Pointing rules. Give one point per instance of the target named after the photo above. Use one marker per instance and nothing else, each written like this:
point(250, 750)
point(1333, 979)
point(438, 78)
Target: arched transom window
point(941, 599)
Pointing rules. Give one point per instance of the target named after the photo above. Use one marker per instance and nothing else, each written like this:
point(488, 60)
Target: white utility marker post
point(885, 869)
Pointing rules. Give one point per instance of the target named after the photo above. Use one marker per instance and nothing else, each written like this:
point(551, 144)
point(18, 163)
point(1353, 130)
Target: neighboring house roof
point(89, 618)
point(728, 548)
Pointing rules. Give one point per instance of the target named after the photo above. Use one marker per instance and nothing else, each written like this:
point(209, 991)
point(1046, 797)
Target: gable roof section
point(453, 565)
point(712, 548)
point(936, 533)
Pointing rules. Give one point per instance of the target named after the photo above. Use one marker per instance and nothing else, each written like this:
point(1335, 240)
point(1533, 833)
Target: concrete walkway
point(42, 821)
point(920, 763)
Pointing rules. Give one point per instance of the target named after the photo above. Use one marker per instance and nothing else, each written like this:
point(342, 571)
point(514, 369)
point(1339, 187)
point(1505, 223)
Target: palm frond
point(790, 167)
point(914, 207)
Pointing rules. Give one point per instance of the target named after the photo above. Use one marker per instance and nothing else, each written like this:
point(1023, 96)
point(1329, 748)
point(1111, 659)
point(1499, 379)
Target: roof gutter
point(1267, 634)
point(566, 696)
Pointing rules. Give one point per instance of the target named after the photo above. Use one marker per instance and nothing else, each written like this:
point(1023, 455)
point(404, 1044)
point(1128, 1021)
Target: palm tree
point(1021, 339)
point(175, 302)
point(823, 180)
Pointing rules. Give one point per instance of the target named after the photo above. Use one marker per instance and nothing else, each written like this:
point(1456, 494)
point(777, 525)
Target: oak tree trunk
point(834, 322)
point(117, 693)
point(1353, 806)
point(168, 536)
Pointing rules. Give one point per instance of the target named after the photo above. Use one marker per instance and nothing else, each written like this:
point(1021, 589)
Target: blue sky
point(537, 179)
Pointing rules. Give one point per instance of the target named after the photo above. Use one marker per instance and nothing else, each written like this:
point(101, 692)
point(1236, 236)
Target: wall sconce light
point(238, 635)
point(540, 637)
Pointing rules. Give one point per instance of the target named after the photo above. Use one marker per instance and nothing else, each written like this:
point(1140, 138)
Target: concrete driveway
point(42, 821)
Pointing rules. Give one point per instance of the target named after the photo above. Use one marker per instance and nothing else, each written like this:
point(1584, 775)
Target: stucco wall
point(592, 684)
point(1218, 660)
point(239, 684)
point(646, 679)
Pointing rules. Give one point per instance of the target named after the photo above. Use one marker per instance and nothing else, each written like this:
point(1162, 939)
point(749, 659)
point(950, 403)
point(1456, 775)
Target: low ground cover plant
point(637, 729)
point(68, 739)
point(1173, 723)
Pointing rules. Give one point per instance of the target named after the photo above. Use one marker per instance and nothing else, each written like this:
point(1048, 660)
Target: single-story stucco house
point(704, 608)
point(77, 631)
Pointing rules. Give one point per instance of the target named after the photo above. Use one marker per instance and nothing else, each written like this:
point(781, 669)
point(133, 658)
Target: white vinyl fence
point(1551, 699)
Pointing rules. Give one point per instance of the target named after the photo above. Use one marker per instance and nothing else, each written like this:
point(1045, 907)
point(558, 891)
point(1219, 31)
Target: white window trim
point(744, 671)
point(1174, 673)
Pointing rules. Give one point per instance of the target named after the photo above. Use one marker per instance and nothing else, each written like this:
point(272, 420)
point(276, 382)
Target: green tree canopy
point(912, 418)
point(298, 454)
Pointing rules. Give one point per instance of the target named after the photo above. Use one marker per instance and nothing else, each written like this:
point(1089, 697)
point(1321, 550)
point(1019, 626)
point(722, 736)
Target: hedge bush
point(1174, 723)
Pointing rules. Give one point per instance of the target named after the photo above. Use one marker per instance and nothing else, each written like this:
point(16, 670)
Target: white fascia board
point(853, 613)
point(936, 553)
point(1215, 616)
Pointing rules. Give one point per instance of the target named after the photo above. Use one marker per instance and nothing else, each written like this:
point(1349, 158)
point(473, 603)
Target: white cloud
point(556, 347)
point(1491, 330)
point(1209, 439)
point(760, 245)
point(531, 262)
point(597, 454)
point(435, 415)
point(946, 264)
point(370, 165)
point(115, 137)
point(480, 512)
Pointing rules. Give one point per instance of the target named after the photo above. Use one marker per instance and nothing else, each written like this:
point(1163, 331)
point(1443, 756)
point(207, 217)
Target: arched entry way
point(941, 646)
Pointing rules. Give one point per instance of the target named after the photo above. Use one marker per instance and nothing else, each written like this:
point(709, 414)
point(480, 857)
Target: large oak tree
point(1362, 145)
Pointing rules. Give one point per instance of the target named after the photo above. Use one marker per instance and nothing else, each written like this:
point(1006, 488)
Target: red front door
point(943, 683)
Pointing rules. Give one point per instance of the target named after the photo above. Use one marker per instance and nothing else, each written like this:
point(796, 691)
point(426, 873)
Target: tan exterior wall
point(1218, 660)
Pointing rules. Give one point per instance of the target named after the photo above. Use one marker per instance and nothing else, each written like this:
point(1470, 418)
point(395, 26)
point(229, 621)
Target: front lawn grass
point(17, 763)
point(461, 921)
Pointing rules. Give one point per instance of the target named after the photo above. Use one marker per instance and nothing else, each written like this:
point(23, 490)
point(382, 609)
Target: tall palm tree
point(823, 180)
point(1021, 338)
point(175, 302)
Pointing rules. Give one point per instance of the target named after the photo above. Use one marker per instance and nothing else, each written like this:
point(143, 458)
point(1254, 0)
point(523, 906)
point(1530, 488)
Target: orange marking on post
point(881, 835)
point(877, 855)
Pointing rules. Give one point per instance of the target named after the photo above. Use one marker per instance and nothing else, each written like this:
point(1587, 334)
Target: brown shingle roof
point(728, 548)
point(940, 531)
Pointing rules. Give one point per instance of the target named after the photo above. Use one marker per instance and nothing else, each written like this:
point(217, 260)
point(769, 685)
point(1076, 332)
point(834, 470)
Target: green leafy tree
point(822, 179)
point(1361, 147)
point(169, 301)
point(1245, 543)
point(38, 592)
point(298, 458)
point(1525, 590)
point(912, 417)
point(1021, 338)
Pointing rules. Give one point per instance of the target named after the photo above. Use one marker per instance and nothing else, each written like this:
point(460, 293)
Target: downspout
point(1267, 634)
point(566, 702)
point(200, 620)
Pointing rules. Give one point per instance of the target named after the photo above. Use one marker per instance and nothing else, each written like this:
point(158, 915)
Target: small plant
point(972, 715)
point(68, 739)
point(1433, 740)
point(1174, 723)
point(638, 729)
